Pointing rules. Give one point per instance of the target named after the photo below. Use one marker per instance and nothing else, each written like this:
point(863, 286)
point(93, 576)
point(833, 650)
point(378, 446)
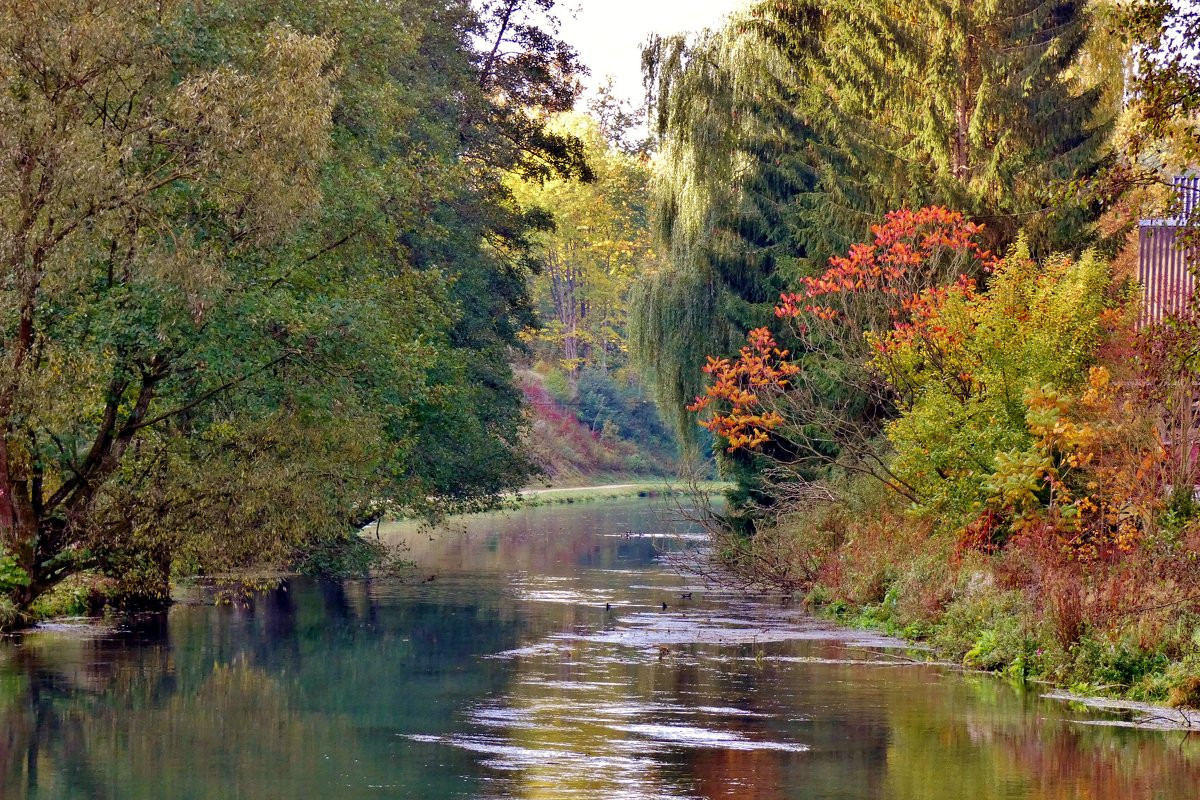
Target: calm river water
point(498, 672)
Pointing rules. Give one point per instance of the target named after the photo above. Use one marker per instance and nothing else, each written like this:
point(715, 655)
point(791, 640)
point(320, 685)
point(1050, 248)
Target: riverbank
point(560, 495)
point(991, 640)
point(1120, 625)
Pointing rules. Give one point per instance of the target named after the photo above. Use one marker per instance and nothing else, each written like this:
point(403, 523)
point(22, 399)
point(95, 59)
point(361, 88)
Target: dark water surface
point(506, 677)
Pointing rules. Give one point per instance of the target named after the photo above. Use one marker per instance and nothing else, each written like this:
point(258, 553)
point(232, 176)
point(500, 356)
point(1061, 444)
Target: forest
point(266, 265)
point(273, 270)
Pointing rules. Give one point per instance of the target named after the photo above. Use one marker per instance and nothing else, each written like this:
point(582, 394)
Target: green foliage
point(11, 574)
point(622, 406)
point(964, 431)
point(787, 132)
point(559, 386)
point(347, 557)
point(67, 599)
point(1119, 664)
point(261, 274)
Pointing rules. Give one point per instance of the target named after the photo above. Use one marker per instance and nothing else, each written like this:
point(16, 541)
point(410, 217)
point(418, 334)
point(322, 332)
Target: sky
point(609, 33)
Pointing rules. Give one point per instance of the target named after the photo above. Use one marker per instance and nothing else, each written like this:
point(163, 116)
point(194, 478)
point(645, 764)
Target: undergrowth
point(1126, 627)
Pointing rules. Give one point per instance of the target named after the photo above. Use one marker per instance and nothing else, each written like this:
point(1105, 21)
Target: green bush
point(1110, 665)
point(342, 557)
point(559, 386)
point(72, 598)
point(11, 575)
point(985, 629)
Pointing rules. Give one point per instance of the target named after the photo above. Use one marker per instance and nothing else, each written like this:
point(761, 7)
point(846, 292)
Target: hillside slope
point(595, 429)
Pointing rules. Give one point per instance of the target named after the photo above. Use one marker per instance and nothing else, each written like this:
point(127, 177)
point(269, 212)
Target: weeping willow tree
point(732, 120)
point(784, 135)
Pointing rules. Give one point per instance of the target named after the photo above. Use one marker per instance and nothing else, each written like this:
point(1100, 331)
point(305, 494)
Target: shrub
point(987, 628)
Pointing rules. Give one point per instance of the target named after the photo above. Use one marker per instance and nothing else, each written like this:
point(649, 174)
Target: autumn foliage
point(1004, 423)
point(910, 253)
point(738, 385)
point(889, 284)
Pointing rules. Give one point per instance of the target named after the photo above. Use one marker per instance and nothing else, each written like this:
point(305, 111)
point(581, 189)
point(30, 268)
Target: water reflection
point(498, 672)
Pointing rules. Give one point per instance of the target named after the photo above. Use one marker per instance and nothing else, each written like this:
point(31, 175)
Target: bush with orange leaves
point(997, 416)
point(871, 287)
point(819, 402)
point(739, 386)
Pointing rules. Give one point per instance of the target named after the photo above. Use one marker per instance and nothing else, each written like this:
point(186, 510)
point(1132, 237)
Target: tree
point(261, 277)
point(527, 67)
point(784, 134)
point(1166, 82)
point(824, 407)
point(621, 123)
point(599, 242)
point(128, 197)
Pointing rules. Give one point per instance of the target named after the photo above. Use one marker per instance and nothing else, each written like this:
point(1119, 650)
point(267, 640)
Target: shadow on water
point(497, 671)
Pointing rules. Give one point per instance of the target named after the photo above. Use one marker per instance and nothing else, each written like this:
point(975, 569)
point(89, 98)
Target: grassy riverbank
point(562, 495)
point(1123, 627)
point(998, 634)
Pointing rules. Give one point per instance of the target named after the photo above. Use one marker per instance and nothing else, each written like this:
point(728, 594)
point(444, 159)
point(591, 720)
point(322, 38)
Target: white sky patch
point(609, 33)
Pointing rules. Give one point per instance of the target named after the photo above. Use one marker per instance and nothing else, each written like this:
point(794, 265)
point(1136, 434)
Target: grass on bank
point(998, 632)
point(563, 495)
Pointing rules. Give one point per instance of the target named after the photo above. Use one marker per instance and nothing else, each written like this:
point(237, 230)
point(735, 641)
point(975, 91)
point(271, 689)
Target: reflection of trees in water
point(100, 740)
point(848, 760)
point(541, 541)
point(971, 738)
point(222, 697)
point(745, 774)
point(307, 692)
point(825, 707)
point(302, 693)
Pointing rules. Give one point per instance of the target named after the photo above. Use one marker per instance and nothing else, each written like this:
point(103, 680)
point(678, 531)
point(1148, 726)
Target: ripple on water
point(651, 629)
point(506, 756)
point(617, 749)
point(694, 736)
point(624, 776)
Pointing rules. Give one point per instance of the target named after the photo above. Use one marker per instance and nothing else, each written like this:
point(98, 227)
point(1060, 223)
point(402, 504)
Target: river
point(530, 656)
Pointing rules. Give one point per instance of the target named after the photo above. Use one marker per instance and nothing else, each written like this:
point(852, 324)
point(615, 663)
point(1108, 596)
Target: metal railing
point(1165, 268)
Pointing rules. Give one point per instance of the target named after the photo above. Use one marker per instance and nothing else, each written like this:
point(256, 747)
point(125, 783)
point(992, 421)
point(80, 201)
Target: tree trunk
point(566, 284)
point(964, 105)
point(18, 523)
point(34, 531)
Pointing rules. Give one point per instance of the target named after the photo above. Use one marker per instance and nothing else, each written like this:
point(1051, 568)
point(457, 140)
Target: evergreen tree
point(975, 106)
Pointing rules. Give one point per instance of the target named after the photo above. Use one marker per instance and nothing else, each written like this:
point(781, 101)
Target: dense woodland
point(264, 274)
point(271, 270)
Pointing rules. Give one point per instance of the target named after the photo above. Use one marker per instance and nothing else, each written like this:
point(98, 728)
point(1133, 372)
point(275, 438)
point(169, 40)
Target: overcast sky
point(608, 33)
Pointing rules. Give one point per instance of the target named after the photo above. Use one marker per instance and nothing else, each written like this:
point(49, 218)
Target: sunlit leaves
point(736, 389)
point(599, 242)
